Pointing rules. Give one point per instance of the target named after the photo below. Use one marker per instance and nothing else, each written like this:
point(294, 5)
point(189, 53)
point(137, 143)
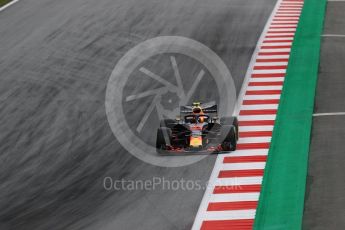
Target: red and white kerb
point(231, 201)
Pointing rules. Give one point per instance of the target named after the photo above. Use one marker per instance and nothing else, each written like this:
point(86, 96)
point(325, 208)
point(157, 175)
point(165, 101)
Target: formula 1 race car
point(197, 129)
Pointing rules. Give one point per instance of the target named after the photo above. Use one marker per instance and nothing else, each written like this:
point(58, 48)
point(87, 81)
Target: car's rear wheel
point(228, 136)
point(163, 140)
point(230, 121)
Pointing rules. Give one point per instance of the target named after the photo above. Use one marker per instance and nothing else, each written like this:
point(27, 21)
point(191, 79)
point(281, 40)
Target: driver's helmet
point(202, 119)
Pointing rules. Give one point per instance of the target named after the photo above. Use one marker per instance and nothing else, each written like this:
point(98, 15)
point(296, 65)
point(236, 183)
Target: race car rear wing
point(207, 108)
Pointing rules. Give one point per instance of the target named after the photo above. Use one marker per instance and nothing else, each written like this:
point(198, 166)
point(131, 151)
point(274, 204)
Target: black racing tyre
point(228, 136)
point(230, 121)
point(163, 139)
point(169, 123)
point(233, 136)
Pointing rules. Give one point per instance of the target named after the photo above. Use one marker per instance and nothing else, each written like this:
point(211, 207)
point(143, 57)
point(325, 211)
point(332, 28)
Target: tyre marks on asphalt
point(231, 199)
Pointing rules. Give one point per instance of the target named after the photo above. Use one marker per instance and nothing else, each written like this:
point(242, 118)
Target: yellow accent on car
point(195, 141)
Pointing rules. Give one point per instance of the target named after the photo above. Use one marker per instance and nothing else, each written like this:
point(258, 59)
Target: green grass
point(4, 2)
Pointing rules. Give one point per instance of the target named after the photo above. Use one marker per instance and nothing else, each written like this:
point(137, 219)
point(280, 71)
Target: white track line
point(255, 129)
point(275, 50)
point(277, 43)
point(261, 97)
point(334, 35)
point(8, 5)
point(232, 197)
point(257, 118)
point(270, 63)
point(247, 152)
point(273, 56)
point(272, 87)
point(329, 114)
point(259, 107)
point(243, 166)
point(267, 79)
point(230, 215)
point(270, 71)
point(254, 140)
point(238, 181)
point(283, 29)
point(279, 39)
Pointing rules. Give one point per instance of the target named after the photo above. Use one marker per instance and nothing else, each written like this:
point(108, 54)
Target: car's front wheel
point(163, 140)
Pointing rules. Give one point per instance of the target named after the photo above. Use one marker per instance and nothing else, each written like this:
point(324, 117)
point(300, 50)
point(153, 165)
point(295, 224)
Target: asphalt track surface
point(325, 200)
point(56, 144)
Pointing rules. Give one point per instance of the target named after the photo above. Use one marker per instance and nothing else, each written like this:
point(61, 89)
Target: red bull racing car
point(197, 130)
